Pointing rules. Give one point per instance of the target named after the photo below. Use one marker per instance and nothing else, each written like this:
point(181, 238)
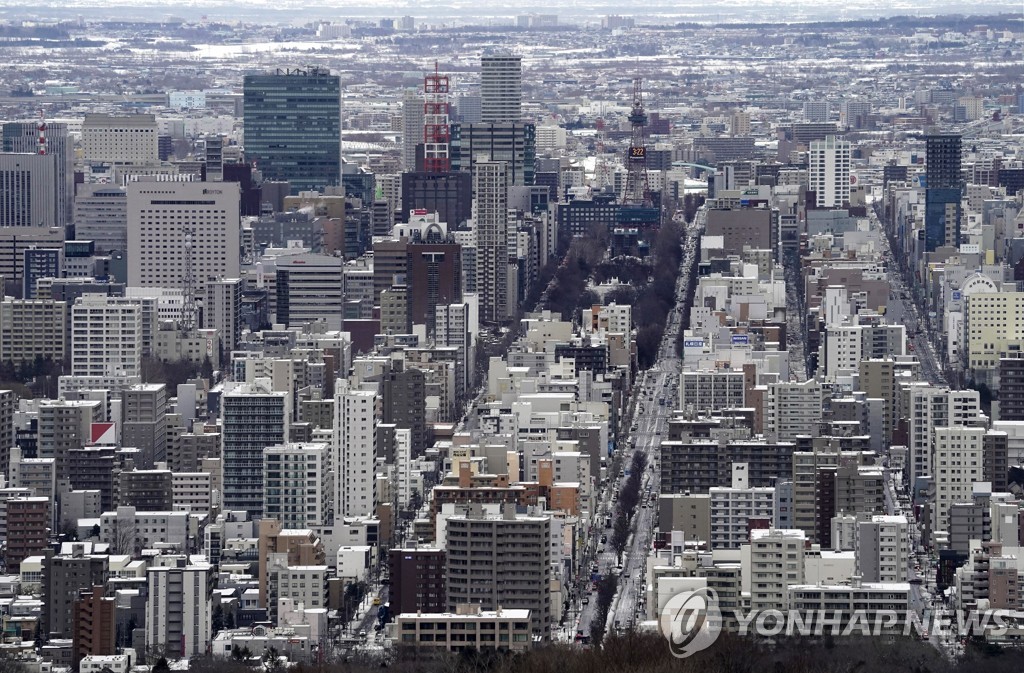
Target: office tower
point(309, 288)
point(213, 155)
point(404, 403)
point(417, 580)
point(944, 186)
point(24, 137)
point(298, 485)
point(356, 415)
point(412, 128)
point(40, 263)
point(513, 143)
point(162, 215)
point(490, 185)
point(106, 341)
point(434, 275)
point(94, 617)
point(292, 127)
point(793, 409)
point(501, 561)
point(27, 187)
point(829, 174)
point(254, 417)
point(501, 88)
point(179, 612)
point(144, 408)
point(131, 139)
point(468, 109)
point(101, 216)
point(222, 310)
point(450, 195)
point(816, 111)
point(28, 529)
point(390, 264)
point(394, 310)
point(63, 577)
point(1011, 387)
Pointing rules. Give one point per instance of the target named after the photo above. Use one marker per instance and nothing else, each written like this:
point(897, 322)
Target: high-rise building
point(944, 187)
point(27, 188)
point(63, 577)
point(776, 563)
point(417, 580)
point(179, 612)
point(297, 491)
point(513, 143)
point(501, 88)
point(404, 403)
point(101, 216)
point(25, 137)
point(412, 128)
point(450, 195)
point(490, 185)
point(145, 422)
point(126, 139)
point(829, 174)
point(222, 310)
point(292, 127)
point(106, 341)
point(254, 417)
point(95, 623)
point(28, 529)
point(501, 561)
point(356, 415)
point(146, 490)
point(163, 215)
point(434, 274)
point(309, 288)
point(882, 548)
point(816, 111)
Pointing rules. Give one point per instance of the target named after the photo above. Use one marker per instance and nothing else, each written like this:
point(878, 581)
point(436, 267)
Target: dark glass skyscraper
point(944, 189)
point(293, 127)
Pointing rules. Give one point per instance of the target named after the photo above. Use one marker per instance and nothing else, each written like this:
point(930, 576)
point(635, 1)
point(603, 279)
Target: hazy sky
point(296, 11)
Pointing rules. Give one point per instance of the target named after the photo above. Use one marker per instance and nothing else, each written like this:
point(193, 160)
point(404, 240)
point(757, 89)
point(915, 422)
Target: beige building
point(31, 328)
point(993, 323)
point(958, 464)
point(690, 514)
point(131, 139)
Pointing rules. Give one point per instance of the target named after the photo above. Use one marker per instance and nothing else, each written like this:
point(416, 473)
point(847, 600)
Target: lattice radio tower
point(435, 123)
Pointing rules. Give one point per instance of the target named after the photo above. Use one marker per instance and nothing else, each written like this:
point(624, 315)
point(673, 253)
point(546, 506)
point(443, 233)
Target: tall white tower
point(829, 176)
point(501, 88)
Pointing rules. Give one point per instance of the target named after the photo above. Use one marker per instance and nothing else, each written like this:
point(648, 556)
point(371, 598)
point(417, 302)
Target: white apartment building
point(882, 548)
point(179, 612)
point(305, 585)
point(928, 407)
point(412, 127)
point(793, 409)
point(773, 561)
point(192, 492)
point(733, 509)
point(106, 341)
point(862, 598)
point(958, 465)
point(132, 139)
point(842, 349)
point(829, 172)
point(127, 530)
point(356, 413)
point(164, 216)
point(297, 486)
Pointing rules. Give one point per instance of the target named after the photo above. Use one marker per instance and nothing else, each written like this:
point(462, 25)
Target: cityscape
point(446, 338)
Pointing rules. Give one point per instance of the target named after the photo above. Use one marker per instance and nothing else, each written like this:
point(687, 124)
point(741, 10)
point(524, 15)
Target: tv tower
point(42, 133)
point(435, 123)
point(637, 192)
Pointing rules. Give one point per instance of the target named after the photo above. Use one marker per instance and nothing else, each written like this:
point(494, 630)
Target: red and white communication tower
point(435, 123)
point(42, 133)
